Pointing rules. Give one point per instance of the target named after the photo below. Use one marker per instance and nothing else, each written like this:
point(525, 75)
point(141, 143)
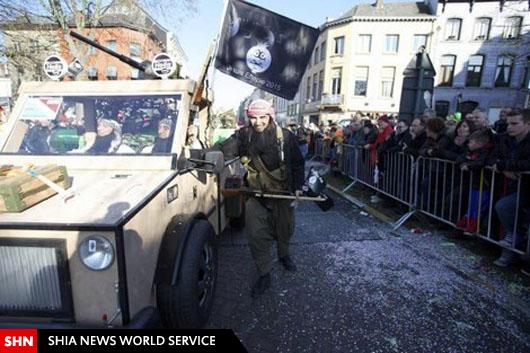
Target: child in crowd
point(478, 150)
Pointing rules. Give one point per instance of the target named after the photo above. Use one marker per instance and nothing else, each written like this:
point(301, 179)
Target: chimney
point(379, 4)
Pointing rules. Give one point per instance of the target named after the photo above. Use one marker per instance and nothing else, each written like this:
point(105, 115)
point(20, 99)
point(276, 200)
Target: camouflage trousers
point(266, 224)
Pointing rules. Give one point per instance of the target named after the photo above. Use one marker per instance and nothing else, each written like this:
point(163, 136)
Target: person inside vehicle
point(163, 140)
point(108, 138)
point(36, 139)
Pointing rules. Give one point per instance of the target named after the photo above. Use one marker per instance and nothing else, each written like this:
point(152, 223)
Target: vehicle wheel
point(189, 303)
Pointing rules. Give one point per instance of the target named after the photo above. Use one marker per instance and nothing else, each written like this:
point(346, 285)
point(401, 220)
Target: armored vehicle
point(129, 236)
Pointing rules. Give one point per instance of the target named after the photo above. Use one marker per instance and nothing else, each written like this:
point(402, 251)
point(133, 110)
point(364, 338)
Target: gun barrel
point(118, 56)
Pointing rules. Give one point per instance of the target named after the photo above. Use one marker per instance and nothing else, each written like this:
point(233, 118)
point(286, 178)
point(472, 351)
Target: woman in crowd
point(458, 146)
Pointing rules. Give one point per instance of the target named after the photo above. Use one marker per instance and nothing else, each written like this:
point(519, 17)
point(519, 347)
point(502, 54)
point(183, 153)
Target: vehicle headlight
point(96, 252)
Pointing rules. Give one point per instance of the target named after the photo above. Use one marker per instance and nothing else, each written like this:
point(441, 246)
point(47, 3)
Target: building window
point(387, 81)
point(361, 81)
point(135, 74)
point(452, 29)
point(308, 89)
point(420, 40)
point(320, 83)
point(336, 80)
point(112, 73)
point(447, 70)
point(111, 44)
point(34, 45)
point(482, 28)
point(92, 73)
point(135, 49)
point(323, 51)
point(441, 108)
point(391, 43)
point(339, 46)
point(503, 73)
point(512, 27)
point(526, 79)
point(37, 73)
point(474, 70)
point(316, 56)
point(315, 93)
point(364, 46)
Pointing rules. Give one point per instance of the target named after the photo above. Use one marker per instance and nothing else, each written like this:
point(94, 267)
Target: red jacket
point(381, 137)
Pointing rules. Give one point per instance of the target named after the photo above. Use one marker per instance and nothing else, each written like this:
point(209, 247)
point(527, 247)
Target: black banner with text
point(264, 49)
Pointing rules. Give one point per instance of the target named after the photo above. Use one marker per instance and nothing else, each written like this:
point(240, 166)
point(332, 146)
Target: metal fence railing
point(318, 149)
point(485, 203)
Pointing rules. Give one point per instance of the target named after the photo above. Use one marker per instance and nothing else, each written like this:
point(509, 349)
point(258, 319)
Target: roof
point(131, 14)
point(402, 9)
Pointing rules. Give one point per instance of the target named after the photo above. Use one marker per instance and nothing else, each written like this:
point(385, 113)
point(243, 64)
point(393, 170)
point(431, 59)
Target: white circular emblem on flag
point(259, 59)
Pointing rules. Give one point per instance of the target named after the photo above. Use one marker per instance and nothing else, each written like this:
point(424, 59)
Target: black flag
point(264, 49)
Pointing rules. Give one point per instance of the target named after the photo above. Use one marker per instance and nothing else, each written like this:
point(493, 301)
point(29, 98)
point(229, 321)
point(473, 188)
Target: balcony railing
point(311, 106)
point(332, 100)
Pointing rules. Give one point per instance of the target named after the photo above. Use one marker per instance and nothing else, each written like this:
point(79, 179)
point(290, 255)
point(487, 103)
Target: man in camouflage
point(274, 164)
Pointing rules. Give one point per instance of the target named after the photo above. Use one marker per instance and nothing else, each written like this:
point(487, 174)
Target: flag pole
point(225, 10)
point(217, 39)
point(210, 56)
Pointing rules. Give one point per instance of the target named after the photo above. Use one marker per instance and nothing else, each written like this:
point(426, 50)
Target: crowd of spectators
point(472, 145)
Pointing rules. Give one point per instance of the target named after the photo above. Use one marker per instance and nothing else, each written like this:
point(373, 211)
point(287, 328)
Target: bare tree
point(27, 26)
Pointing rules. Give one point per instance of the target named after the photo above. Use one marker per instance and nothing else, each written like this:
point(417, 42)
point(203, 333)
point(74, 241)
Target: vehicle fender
point(172, 247)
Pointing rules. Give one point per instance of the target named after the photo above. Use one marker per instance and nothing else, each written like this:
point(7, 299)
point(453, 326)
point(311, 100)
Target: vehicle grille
point(34, 278)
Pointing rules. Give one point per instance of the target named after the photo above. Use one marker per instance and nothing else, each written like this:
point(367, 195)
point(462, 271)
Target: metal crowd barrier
point(319, 147)
point(391, 174)
point(441, 190)
point(468, 200)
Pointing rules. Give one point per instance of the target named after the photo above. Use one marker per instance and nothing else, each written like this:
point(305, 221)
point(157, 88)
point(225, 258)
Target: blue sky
point(197, 32)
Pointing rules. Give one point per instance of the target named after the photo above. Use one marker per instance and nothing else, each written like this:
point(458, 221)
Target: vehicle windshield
point(143, 124)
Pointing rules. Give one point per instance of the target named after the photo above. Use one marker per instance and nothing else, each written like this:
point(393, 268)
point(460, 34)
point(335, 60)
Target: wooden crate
point(19, 191)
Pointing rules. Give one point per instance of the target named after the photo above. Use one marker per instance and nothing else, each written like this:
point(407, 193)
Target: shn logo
point(18, 341)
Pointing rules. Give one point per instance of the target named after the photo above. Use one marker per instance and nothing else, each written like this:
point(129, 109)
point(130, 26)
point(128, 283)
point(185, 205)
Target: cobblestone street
point(362, 288)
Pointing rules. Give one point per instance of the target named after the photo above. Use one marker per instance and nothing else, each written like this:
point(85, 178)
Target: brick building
point(123, 26)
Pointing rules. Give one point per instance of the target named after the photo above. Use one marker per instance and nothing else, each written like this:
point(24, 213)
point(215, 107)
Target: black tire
point(189, 303)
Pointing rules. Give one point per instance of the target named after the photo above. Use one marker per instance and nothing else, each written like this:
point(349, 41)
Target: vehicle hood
point(101, 198)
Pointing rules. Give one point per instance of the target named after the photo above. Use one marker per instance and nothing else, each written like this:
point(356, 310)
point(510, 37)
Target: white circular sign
point(55, 67)
point(259, 59)
point(163, 65)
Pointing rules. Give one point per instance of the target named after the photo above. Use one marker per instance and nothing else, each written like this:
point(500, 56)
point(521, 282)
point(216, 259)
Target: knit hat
point(260, 107)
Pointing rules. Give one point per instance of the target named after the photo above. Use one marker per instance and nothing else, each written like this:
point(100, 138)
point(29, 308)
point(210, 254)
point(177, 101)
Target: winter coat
point(510, 155)
point(415, 144)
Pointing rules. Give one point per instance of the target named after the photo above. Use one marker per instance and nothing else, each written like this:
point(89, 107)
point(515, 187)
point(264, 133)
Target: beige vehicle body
point(146, 205)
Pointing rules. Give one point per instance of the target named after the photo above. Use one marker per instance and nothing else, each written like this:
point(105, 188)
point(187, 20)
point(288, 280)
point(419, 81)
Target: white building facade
point(287, 111)
point(359, 60)
point(175, 50)
point(481, 55)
